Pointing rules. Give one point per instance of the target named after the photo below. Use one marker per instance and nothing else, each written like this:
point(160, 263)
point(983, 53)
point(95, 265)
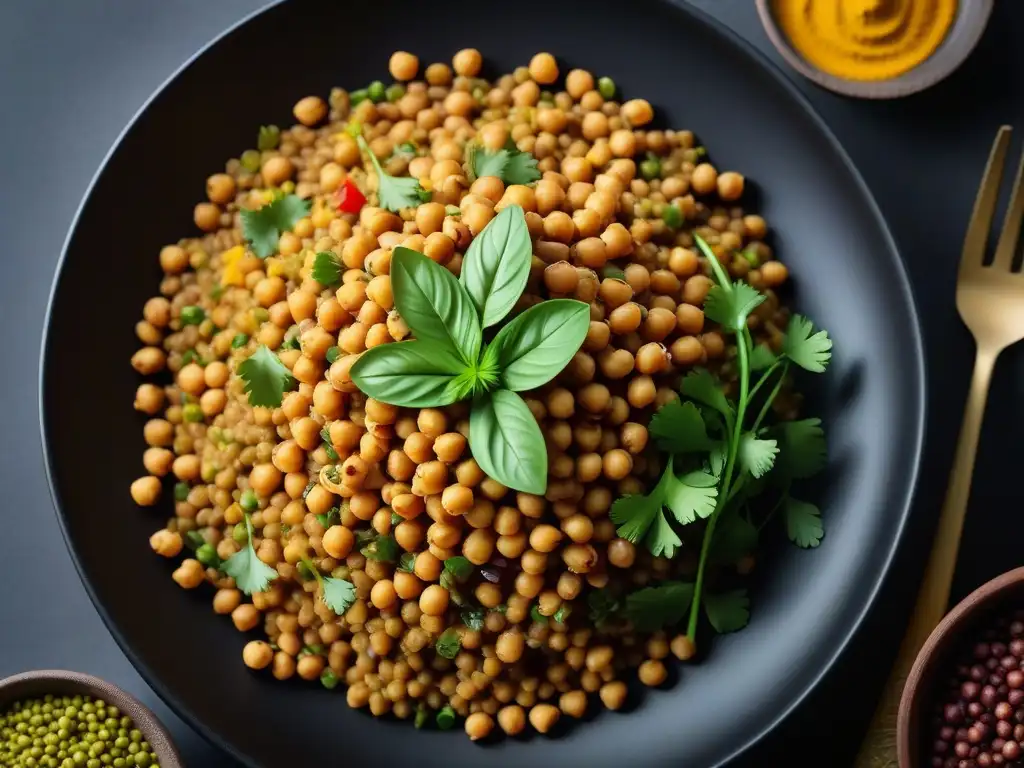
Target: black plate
point(699, 76)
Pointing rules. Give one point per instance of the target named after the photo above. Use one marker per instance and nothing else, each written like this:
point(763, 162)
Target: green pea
point(328, 679)
point(357, 96)
point(143, 759)
point(192, 315)
point(376, 91)
point(207, 555)
point(672, 216)
point(249, 501)
point(606, 87)
point(240, 534)
point(394, 92)
point(651, 167)
point(192, 413)
point(251, 160)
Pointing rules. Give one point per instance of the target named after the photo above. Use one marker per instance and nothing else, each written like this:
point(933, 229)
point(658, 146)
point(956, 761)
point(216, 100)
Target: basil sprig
point(448, 360)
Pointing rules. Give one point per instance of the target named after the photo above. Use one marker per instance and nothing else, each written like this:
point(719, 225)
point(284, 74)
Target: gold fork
point(991, 304)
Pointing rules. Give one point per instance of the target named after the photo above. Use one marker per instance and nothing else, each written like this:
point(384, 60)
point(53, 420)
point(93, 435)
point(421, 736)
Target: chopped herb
point(309, 487)
point(502, 609)
point(393, 193)
point(452, 210)
point(328, 679)
point(249, 572)
point(396, 518)
point(263, 227)
point(537, 616)
point(305, 571)
point(194, 539)
point(459, 567)
point(291, 342)
point(328, 518)
point(613, 272)
point(421, 715)
point(448, 644)
point(562, 614)
point(333, 353)
point(266, 377)
point(473, 618)
point(332, 455)
point(383, 548)
point(269, 137)
point(240, 340)
point(181, 491)
point(603, 605)
point(216, 292)
point(407, 562)
point(326, 268)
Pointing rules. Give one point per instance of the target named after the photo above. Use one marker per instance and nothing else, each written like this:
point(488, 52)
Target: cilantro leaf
point(394, 193)
point(337, 594)
point(757, 456)
point(326, 268)
point(652, 608)
point(266, 377)
point(731, 306)
point(811, 351)
point(521, 169)
point(717, 458)
point(762, 357)
point(735, 537)
point(508, 164)
point(263, 227)
point(562, 614)
point(485, 163)
point(634, 514)
point(679, 428)
point(701, 386)
point(448, 644)
point(661, 539)
point(802, 447)
point(803, 523)
point(691, 496)
point(728, 611)
point(249, 572)
point(407, 562)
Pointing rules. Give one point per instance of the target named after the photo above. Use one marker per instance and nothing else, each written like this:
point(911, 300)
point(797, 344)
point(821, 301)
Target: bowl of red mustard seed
point(963, 703)
point(60, 719)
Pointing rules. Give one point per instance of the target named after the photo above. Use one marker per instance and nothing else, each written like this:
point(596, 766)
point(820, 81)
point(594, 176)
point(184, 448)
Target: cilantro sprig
point(249, 572)
point(263, 227)
point(720, 456)
point(394, 192)
point(336, 594)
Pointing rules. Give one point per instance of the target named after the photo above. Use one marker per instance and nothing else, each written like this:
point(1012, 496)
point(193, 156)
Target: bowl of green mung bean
point(59, 719)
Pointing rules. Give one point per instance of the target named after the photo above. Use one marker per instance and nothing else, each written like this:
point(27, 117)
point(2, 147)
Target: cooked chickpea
point(467, 62)
point(166, 543)
point(310, 110)
point(146, 491)
point(403, 66)
point(730, 186)
point(543, 717)
point(652, 673)
point(512, 719)
point(277, 170)
point(434, 600)
point(257, 654)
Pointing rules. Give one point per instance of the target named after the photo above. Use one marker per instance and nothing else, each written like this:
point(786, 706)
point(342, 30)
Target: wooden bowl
point(31, 685)
point(971, 19)
point(936, 657)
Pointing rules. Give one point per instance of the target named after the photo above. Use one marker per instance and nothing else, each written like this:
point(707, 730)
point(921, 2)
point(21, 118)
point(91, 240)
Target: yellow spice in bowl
point(865, 39)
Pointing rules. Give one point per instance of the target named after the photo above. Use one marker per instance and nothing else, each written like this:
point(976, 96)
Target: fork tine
point(985, 203)
point(1007, 246)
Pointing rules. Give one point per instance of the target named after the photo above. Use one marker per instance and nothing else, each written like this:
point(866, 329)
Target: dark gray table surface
point(72, 73)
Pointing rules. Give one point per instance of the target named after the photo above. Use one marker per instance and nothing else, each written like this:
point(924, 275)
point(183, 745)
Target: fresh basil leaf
point(537, 345)
point(437, 308)
point(507, 443)
point(411, 374)
point(497, 265)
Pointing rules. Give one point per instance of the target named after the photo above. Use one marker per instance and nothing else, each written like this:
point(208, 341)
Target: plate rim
point(738, 44)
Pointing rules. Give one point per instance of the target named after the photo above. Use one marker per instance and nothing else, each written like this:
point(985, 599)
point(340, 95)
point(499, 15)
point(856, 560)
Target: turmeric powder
point(865, 39)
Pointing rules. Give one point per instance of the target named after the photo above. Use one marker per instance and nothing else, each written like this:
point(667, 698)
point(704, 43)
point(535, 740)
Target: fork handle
point(878, 748)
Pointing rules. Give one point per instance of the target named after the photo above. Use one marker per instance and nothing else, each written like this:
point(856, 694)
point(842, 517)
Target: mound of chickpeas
point(612, 221)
